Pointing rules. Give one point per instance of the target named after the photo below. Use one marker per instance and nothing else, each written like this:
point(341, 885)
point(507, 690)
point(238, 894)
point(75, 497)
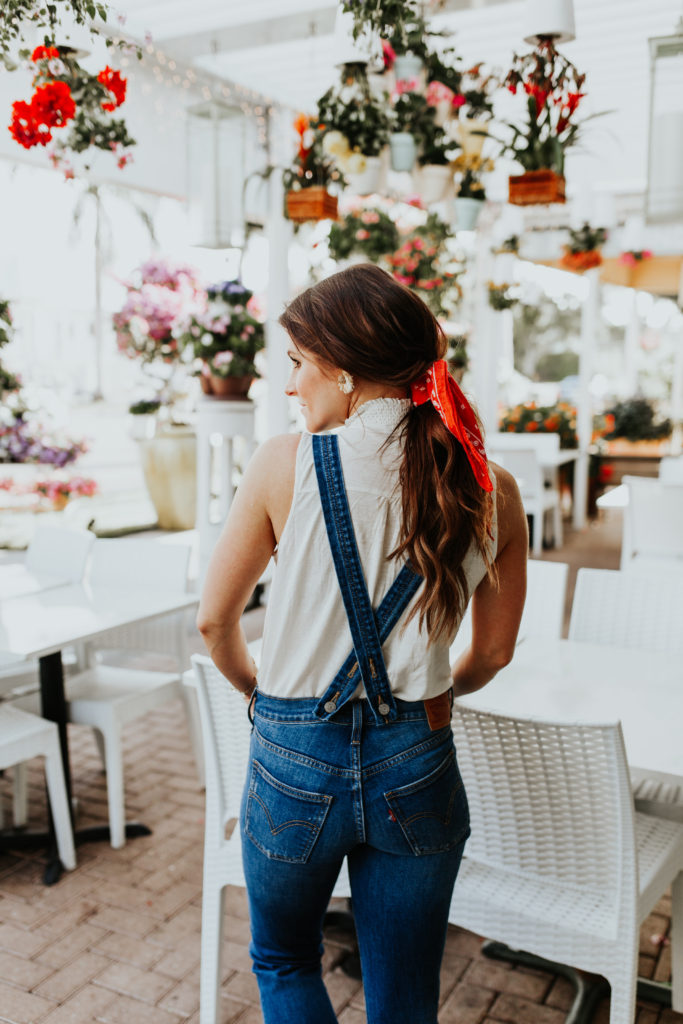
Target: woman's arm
point(258, 512)
point(497, 610)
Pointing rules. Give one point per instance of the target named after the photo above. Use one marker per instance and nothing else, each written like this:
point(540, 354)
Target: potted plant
point(424, 264)
point(553, 89)
point(225, 336)
point(158, 301)
point(306, 181)
point(530, 418)
point(356, 129)
point(475, 107)
point(370, 233)
point(435, 158)
point(469, 199)
point(8, 381)
point(583, 251)
point(75, 104)
point(635, 427)
point(410, 112)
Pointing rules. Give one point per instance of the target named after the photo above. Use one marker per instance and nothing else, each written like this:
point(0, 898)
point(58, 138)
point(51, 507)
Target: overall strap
point(359, 612)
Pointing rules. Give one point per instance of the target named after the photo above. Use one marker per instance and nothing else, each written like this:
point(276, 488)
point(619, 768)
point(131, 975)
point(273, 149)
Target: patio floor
point(118, 939)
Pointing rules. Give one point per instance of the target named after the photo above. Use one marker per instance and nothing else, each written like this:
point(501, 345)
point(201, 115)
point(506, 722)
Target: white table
point(16, 580)
point(565, 681)
point(40, 624)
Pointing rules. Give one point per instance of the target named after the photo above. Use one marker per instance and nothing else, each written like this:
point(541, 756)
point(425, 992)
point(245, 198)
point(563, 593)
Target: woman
point(382, 532)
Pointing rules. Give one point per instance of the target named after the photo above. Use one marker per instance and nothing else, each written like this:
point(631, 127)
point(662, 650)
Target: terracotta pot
point(230, 387)
point(205, 382)
point(314, 203)
point(536, 188)
point(580, 261)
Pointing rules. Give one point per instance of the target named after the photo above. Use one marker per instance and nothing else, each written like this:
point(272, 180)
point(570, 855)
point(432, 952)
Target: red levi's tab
point(438, 387)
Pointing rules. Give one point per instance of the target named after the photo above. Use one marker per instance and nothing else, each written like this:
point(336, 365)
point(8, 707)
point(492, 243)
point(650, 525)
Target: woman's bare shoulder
point(272, 471)
point(509, 507)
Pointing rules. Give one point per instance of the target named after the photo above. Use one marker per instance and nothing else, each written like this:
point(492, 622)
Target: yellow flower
point(335, 144)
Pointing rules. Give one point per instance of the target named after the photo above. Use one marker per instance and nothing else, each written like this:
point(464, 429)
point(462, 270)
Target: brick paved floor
point(117, 940)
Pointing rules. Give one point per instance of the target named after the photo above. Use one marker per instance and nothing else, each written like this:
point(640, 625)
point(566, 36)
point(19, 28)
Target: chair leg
point(99, 740)
point(19, 793)
point(677, 944)
point(194, 727)
point(115, 797)
point(213, 900)
point(59, 806)
point(557, 525)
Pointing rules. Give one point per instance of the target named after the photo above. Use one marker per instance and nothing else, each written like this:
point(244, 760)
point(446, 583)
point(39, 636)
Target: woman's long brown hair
point(363, 321)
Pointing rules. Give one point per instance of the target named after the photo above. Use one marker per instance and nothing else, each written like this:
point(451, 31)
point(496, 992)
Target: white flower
point(335, 144)
point(356, 163)
point(307, 139)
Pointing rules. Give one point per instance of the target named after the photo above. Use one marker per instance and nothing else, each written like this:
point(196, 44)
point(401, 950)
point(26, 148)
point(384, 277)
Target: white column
point(631, 339)
point(590, 320)
point(487, 327)
point(279, 233)
point(677, 399)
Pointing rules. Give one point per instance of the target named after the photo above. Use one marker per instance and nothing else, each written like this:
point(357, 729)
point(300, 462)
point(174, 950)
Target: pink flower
point(370, 217)
point(362, 234)
point(414, 200)
point(404, 85)
point(627, 259)
point(437, 92)
point(458, 99)
point(388, 54)
point(403, 280)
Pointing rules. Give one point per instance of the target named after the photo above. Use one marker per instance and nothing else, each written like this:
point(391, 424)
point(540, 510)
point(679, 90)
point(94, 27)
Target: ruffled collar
point(383, 414)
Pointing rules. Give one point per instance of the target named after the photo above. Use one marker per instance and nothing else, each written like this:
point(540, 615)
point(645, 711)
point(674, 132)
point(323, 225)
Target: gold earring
point(345, 383)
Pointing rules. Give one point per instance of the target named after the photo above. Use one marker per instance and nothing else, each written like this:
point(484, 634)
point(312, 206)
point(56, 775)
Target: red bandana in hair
point(438, 387)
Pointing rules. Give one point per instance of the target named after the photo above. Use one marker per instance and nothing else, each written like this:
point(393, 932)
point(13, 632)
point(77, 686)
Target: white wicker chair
point(22, 737)
point(644, 609)
point(106, 696)
point(652, 522)
point(226, 733)
point(558, 864)
point(543, 613)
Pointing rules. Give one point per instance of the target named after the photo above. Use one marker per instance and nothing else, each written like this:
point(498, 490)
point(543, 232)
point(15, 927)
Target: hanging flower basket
point(580, 261)
point(536, 188)
point(314, 203)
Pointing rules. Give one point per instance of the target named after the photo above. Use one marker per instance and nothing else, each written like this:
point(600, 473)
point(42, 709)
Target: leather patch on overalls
point(439, 710)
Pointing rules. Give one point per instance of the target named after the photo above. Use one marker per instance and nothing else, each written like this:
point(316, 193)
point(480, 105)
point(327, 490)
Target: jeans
point(390, 798)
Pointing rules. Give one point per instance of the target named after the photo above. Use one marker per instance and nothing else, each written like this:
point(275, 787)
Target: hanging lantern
point(549, 19)
point(216, 167)
point(664, 196)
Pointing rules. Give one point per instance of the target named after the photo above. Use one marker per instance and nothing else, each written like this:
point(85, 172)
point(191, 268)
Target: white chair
point(641, 609)
point(537, 498)
point(544, 444)
point(543, 613)
point(653, 522)
point(106, 696)
point(226, 732)
point(558, 864)
point(671, 469)
point(22, 737)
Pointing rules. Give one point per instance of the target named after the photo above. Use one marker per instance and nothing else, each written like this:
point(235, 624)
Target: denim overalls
point(375, 780)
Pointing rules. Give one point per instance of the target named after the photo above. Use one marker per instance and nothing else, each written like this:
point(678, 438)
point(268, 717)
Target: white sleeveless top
point(306, 636)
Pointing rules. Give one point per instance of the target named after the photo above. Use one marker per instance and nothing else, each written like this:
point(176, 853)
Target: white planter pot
point(434, 182)
point(403, 151)
point(367, 182)
point(544, 18)
point(169, 463)
point(467, 213)
point(407, 67)
point(472, 144)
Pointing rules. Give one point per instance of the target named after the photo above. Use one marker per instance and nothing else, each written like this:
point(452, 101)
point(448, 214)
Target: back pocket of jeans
point(282, 821)
point(432, 812)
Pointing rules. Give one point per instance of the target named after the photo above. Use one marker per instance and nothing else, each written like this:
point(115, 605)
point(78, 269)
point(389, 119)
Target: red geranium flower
point(25, 129)
point(115, 84)
point(44, 53)
point(53, 104)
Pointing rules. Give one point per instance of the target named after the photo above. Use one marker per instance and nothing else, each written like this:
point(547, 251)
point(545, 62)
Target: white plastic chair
point(641, 609)
point(22, 737)
point(106, 697)
point(226, 733)
point(653, 522)
point(538, 499)
point(543, 613)
point(558, 864)
point(671, 469)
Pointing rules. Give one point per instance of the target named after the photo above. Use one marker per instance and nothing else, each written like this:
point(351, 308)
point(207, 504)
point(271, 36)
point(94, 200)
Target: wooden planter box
point(536, 187)
point(660, 275)
point(620, 446)
point(314, 203)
